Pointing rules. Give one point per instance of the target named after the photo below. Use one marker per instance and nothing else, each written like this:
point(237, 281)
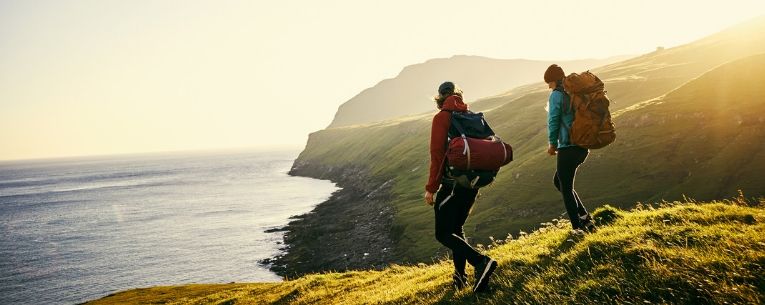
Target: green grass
point(679, 253)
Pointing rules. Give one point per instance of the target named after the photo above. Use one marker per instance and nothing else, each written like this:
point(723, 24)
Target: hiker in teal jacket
point(560, 116)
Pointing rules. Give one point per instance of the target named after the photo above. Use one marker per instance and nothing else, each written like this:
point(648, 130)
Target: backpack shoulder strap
point(457, 125)
point(570, 99)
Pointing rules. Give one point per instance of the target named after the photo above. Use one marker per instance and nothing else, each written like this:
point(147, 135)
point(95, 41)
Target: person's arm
point(553, 121)
point(438, 137)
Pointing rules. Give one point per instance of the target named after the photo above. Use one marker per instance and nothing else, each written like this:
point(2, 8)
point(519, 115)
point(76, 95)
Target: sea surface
point(78, 229)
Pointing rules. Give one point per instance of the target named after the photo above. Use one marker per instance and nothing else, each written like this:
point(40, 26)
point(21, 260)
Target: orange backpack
point(592, 127)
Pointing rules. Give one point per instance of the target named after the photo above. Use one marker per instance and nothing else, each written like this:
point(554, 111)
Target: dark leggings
point(452, 209)
point(569, 159)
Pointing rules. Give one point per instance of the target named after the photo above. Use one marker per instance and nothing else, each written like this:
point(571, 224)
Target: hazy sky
point(104, 77)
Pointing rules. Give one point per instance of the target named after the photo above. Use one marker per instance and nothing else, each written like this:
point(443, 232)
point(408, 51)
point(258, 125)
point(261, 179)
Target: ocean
point(78, 229)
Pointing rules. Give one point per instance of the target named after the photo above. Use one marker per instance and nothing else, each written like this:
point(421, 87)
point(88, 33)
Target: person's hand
point(429, 198)
point(552, 150)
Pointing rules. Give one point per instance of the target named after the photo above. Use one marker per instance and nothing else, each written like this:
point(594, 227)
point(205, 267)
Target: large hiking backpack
point(474, 153)
point(592, 127)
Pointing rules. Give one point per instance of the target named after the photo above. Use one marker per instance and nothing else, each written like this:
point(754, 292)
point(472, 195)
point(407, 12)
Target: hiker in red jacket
point(452, 202)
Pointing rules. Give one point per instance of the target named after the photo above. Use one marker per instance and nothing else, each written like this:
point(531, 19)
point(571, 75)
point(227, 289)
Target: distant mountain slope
point(675, 254)
point(689, 122)
point(410, 91)
point(656, 73)
point(707, 137)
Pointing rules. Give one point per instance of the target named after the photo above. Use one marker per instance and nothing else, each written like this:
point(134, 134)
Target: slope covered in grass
point(702, 140)
point(680, 253)
point(689, 122)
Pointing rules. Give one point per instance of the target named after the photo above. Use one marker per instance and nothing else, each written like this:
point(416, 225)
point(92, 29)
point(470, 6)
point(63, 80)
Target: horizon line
point(274, 147)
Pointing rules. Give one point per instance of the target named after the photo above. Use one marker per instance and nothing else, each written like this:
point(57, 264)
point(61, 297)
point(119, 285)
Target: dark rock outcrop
point(351, 230)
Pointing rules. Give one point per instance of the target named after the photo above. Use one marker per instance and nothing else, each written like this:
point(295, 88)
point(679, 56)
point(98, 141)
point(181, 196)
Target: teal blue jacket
point(559, 119)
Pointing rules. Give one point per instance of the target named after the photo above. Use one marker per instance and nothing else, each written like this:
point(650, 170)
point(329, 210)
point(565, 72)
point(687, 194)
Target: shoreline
point(349, 231)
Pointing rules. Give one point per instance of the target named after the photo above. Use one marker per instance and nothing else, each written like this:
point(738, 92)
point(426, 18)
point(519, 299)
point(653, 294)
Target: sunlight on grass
point(672, 252)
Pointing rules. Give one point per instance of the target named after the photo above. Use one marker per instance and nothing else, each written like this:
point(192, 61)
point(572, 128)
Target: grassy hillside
point(678, 253)
point(702, 140)
point(689, 122)
point(480, 76)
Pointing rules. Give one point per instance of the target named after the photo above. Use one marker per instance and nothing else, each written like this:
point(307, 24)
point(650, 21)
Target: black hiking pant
point(452, 206)
point(569, 159)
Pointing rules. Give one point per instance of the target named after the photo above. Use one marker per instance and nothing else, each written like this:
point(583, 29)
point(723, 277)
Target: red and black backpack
point(474, 153)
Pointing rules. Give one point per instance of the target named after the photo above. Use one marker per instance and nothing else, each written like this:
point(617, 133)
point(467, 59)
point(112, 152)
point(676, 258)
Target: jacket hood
point(454, 103)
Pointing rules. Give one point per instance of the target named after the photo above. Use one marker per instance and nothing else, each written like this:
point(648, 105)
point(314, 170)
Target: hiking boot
point(589, 227)
point(587, 224)
point(483, 272)
point(459, 281)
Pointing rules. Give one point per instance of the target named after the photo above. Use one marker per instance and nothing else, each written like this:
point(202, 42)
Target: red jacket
point(438, 137)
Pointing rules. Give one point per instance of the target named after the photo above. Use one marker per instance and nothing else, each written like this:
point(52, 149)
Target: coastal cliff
point(689, 124)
